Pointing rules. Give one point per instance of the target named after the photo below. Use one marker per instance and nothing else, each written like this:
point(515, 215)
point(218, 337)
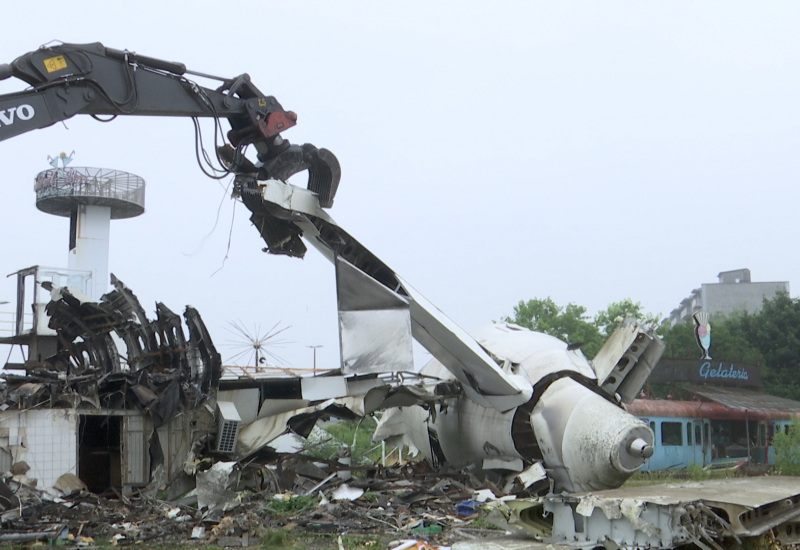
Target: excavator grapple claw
point(324, 174)
point(323, 168)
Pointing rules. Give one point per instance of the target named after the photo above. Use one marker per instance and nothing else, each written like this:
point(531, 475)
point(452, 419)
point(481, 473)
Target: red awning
point(719, 404)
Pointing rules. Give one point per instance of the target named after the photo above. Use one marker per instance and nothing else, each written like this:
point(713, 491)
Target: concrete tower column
point(89, 232)
point(90, 198)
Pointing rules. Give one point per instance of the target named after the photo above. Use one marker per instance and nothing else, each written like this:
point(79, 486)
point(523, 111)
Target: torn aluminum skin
point(705, 514)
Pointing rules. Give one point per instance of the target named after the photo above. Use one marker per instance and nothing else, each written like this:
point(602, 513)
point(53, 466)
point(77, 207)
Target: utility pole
point(314, 348)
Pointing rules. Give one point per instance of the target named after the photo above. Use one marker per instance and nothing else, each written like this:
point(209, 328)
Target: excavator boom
point(91, 79)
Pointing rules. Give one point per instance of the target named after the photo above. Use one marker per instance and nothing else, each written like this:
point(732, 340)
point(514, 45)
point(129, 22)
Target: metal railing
point(90, 182)
point(8, 322)
point(31, 298)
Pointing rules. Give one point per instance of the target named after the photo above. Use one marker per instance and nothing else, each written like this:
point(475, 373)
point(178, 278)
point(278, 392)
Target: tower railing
point(57, 188)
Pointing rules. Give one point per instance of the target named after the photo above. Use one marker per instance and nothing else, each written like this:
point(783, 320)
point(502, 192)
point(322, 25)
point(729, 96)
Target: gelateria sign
point(714, 372)
point(709, 371)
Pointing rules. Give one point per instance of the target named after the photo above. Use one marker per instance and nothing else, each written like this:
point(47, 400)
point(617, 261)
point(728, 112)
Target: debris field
point(288, 492)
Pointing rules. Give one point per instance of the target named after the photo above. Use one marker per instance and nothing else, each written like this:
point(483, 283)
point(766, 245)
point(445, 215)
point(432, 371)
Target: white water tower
point(90, 198)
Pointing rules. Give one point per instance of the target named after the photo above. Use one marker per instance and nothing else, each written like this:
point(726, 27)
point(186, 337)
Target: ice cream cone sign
point(702, 331)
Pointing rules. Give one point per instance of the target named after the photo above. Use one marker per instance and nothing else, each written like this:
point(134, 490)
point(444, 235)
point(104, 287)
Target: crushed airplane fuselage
point(124, 394)
point(508, 399)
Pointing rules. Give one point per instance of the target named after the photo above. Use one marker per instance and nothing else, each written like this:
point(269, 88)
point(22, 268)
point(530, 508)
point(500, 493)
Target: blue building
point(716, 411)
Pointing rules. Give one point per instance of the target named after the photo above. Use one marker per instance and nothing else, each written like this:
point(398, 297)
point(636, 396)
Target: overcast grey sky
point(491, 152)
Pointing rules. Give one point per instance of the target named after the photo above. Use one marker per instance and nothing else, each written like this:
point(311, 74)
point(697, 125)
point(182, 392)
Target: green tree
point(681, 342)
point(570, 323)
point(729, 340)
point(608, 319)
point(775, 333)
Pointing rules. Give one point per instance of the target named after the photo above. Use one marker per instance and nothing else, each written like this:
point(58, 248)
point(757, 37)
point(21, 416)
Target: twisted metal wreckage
point(116, 383)
point(140, 394)
point(136, 402)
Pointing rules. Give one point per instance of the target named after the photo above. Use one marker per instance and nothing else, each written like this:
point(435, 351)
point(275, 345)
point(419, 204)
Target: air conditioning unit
point(228, 422)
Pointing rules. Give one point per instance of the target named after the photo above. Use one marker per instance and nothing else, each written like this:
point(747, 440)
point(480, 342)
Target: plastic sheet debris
point(345, 492)
point(467, 508)
point(427, 529)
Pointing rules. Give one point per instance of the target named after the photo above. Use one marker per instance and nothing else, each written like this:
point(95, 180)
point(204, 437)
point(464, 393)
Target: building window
point(671, 434)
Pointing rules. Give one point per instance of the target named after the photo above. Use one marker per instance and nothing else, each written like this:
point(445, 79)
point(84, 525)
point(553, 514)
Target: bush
point(327, 441)
point(787, 450)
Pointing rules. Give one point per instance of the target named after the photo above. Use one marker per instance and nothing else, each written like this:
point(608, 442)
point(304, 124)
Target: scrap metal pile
point(240, 504)
point(246, 502)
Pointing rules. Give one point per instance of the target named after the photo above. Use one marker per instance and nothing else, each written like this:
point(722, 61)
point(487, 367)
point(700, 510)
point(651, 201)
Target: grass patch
point(275, 538)
point(698, 473)
point(291, 506)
